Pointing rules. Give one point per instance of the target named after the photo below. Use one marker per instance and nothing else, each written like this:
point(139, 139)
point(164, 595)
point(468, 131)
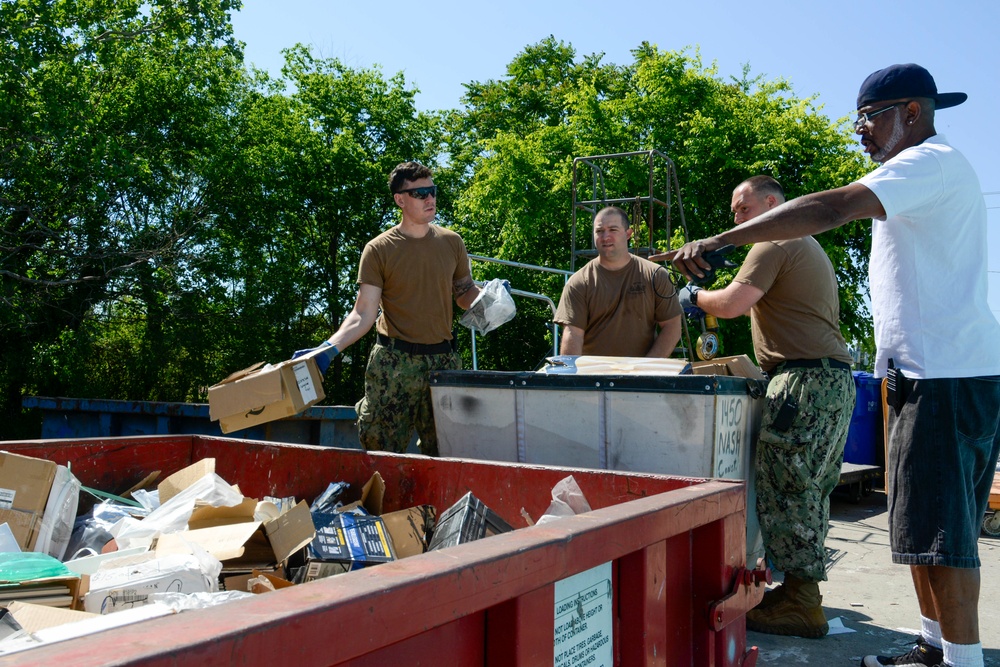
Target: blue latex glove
point(322, 360)
point(688, 296)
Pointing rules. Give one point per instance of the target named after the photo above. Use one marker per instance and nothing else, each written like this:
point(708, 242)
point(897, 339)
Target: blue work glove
point(688, 296)
point(506, 285)
point(323, 359)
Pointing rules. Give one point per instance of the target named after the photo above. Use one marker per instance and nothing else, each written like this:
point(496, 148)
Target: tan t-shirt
point(799, 315)
point(416, 277)
point(618, 310)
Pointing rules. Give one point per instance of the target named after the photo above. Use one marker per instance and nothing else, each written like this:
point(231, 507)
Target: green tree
point(109, 112)
point(512, 148)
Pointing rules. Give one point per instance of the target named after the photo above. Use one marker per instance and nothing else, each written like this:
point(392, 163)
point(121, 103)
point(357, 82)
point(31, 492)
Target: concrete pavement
point(872, 596)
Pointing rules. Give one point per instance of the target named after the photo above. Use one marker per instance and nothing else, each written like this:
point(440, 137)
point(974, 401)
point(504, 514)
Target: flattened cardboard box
point(35, 617)
point(739, 366)
point(25, 483)
point(261, 394)
point(245, 543)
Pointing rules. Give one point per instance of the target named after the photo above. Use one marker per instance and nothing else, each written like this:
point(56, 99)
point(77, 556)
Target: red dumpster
point(673, 550)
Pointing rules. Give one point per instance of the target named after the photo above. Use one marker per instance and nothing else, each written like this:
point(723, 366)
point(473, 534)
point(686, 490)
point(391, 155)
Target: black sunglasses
point(421, 193)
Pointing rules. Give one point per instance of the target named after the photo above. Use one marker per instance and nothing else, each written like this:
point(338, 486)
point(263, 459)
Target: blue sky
point(822, 48)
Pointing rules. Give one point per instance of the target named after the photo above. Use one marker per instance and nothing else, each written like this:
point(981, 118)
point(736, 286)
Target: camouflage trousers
point(397, 400)
point(798, 468)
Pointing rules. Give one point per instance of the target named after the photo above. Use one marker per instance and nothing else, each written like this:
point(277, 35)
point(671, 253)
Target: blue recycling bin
point(865, 433)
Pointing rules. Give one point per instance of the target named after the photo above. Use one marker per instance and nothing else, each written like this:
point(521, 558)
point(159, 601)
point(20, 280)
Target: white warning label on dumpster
point(584, 619)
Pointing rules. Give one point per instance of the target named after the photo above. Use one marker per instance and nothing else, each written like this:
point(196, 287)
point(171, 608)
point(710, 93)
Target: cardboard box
point(264, 393)
point(467, 520)
point(246, 582)
point(184, 478)
point(739, 366)
point(372, 496)
point(61, 592)
point(128, 582)
point(35, 617)
point(358, 539)
point(25, 483)
point(409, 529)
point(240, 541)
point(89, 624)
point(318, 569)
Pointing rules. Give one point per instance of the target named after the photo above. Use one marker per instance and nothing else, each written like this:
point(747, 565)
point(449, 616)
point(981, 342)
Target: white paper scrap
point(837, 627)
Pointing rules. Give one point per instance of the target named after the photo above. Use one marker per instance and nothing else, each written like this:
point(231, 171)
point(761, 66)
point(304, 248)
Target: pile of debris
point(193, 540)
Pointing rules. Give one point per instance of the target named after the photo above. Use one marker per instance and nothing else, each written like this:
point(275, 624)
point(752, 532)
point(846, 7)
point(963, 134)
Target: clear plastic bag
point(93, 530)
point(494, 306)
point(172, 516)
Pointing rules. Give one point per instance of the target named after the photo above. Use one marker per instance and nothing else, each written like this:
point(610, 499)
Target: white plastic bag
point(172, 516)
point(60, 514)
point(567, 500)
point(494, 306)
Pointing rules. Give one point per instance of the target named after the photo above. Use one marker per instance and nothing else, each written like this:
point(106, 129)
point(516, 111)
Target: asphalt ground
point(872, 597)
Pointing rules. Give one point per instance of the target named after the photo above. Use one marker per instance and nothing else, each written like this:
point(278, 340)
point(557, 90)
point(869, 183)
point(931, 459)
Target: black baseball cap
point(900, 81)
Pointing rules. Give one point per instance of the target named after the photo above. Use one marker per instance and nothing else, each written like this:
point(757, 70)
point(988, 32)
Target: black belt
point(814, 363)
point(414, 348)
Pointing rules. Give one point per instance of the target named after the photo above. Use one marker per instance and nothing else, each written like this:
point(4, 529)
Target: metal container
point(699, 425)
point(327, 425)
point(654, 575)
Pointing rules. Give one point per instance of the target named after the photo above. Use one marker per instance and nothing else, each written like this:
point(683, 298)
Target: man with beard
point(935, 337)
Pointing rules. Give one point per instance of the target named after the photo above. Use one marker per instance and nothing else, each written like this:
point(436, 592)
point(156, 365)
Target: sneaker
point(921, 655)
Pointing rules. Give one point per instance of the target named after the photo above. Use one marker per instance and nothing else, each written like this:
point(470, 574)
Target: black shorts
point(943, 448)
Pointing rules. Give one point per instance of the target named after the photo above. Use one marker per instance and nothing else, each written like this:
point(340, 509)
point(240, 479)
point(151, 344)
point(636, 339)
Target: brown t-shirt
point(416, 277)
point(799, 315)
point(618, 310)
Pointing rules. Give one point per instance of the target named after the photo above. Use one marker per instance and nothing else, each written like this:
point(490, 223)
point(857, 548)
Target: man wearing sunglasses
point(408, 277)
point(936, 340)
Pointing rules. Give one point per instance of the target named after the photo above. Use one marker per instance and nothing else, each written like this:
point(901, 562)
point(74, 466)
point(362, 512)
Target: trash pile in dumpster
point(194, 541)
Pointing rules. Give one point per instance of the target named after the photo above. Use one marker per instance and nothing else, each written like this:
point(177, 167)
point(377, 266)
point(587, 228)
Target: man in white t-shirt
point(936, 340)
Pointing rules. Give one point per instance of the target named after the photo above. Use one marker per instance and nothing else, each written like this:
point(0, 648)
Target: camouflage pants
point(397, 400)
point(797, 469)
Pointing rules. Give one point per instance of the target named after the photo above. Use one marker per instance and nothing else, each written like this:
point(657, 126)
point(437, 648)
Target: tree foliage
point(513, 145)
point(108, 113)
point(168, 217)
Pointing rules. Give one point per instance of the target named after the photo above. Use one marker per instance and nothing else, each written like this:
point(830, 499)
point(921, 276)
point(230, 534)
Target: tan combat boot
point(772, 596)
point(797, 611)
